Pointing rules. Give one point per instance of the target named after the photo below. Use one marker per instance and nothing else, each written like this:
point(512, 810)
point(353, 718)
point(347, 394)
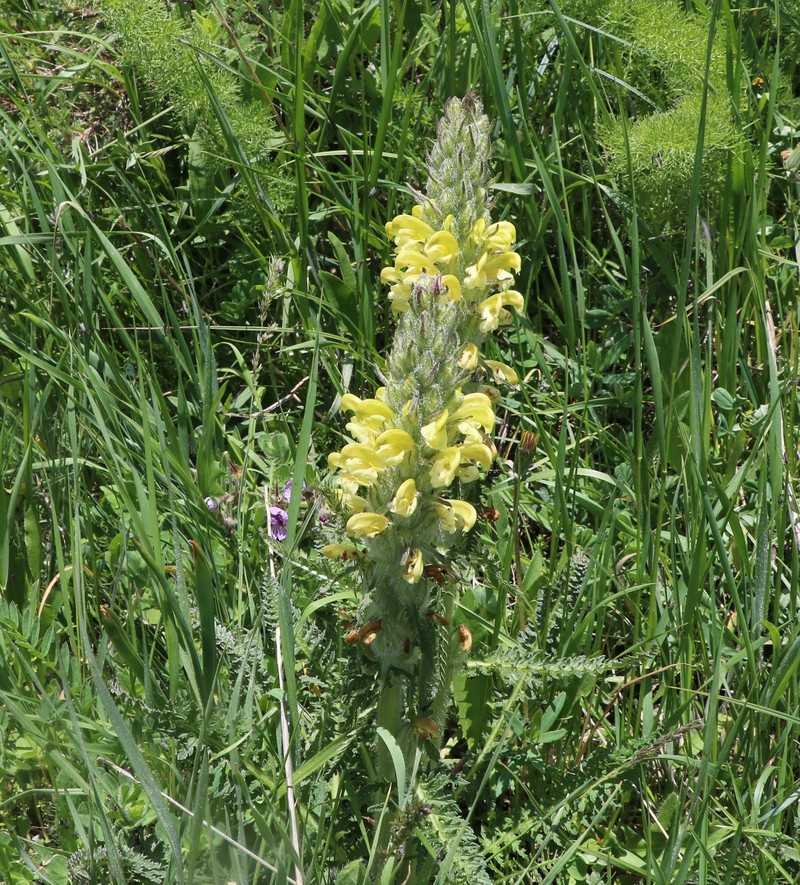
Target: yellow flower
point(364, 431)
point(359, 454)
point(415, 263)
point(409, 230)
point(477, 407)
point(405, 499)
point(358, 462)
point(469, 473)
point(392, 446)
point(502, 372)
point(442, 247)
point(414, 567)
point(491, 310)
point(453, 286)
point(341, 551)
point(491, 268)
point(479, 452)
point(465, 514)
point(435, 433)
point(496, 237)
point(354, 503)
point(366, 408)
point(456, 515)
point(367, 525)
point(469, 358)
point(444, 467)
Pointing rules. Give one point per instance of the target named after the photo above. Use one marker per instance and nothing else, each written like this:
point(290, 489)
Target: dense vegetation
point(192, 231)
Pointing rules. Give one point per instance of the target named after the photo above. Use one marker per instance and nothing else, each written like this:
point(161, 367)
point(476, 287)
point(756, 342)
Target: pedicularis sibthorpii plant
point(424, 439)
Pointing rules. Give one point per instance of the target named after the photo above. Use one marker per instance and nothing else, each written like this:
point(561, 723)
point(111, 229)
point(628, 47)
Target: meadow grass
point(185, 294)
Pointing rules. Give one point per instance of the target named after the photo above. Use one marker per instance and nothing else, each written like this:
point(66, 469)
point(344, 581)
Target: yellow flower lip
point(491, 268)
point(502, 372)
point(435, 433)
point(358, 454)
point(456, 515)
point(453, 285)
point(367, 525)
point(393, 445)
point(492, 309)
point(479, 452)
point(444, 467)
point(469, 358)
point(354, 503)
point(501, 236)
point(442, 247)
point(415, 262)
point(496, 237)
point(414, 566)
point(341, 551)
point(366, 408)
point(405, 498)
point(408, 230)
point(477, 407)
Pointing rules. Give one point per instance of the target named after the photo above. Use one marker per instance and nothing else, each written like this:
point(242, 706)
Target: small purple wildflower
point(286, 493)
point(278, 518)
point(211, 503)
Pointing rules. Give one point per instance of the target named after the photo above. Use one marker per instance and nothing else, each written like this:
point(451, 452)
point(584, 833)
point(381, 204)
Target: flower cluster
point(397, 469)
point(478, 270)
point(420, 441)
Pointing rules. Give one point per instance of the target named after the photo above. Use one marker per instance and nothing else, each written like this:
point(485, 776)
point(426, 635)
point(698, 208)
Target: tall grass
point(178, 320)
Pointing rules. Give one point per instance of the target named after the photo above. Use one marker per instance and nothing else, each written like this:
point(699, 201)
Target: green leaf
point(472, 695)
point(399, 763)
point(355, 873)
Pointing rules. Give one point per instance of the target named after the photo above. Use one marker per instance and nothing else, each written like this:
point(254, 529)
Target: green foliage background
point(192, 205)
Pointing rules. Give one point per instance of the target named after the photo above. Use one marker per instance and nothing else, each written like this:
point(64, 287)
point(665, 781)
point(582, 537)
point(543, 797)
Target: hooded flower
point(366, 525)
point(278, 520)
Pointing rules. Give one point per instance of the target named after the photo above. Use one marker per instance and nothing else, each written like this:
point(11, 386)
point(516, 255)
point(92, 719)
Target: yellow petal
point(405, 499)
point(470, 473)
point(365, 408)
point(392, 446)
point(500, 236)
point(435, 433)
point(447, 517)
point(414, 566)
point(366, 525)
point(416, 261)
point(341, 551)
point(465, 514)
point(477, 407)
point(453, 286)
point(442, 247)
point(502, 372)
point(444, 467)
point(469, 358)
point(477, 234)
point(408, 229)
point(354, 503)
point(359, 454)
point(479, 452)
point(497, 267)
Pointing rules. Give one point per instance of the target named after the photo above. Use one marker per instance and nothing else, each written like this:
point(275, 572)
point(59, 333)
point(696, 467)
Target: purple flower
point(286, 494)
point(278, 518)
point(211, 503)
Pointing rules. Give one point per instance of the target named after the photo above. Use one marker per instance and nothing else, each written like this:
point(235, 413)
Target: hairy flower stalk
point(425, 437)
